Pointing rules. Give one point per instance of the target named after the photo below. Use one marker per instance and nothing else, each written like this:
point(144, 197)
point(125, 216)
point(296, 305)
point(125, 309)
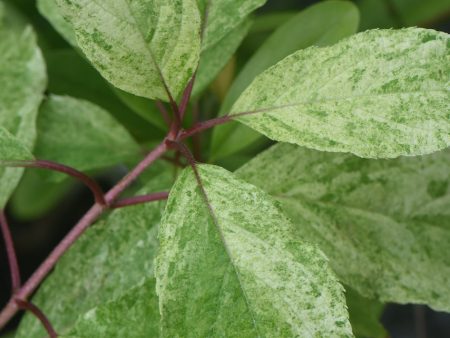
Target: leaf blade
point(228, 276)
point(369, 217)
point(82, 135)
point(345, 98)
point(108, 264)
point(23, 78)
point(322, 24)
point(127, 42)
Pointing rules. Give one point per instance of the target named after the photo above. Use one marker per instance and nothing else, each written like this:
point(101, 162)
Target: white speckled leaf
point(49, 9)
point(80, 134)
point(371, 217)
point(242, 273)
point(133, 315)
point(380, 93)
point(224, 16)
point(322, 24)
point(23, 81)
point(128, 41)
point(109, 264)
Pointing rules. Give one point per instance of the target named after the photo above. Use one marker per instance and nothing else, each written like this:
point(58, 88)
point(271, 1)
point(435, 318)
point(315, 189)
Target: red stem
point(187, 96)
point(205, 125)
point(157, 196)
point(24, 305)
point(49, 165)
point(96, 210)
point(11, 253)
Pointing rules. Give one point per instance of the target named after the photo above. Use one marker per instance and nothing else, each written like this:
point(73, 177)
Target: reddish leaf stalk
point(186, 96)
point(157, 196)
point(91, 216)
point(11, 253)
point(49, 165)
point(205, 125)
point(28, 306)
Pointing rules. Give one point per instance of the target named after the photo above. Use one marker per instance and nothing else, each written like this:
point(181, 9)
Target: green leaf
point(49, 9)
point(70, 74)
point(322, 24)
point(104, 270)
point(417, 12)
point(369, 217)
point(145, 108)
point(401, 13)
point(80, 134)
point(365, 315)
point(23, 79)
point(214, 59)
point(134, 45)
point(381, 93)
point(133, 315)
point(227, 25)
point(224, 16)
point(243, 272)
point(34, 197)
point(11, 148)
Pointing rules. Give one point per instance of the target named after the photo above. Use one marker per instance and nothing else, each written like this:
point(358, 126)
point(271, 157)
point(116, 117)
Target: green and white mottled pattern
point(242, 273)
point(371, 218)
point(322, 24)
point(377, 94)
point(102, 270)
point(224, 16)
point(133, 315)
point(82, 135)
point(50, 10)
point(213, 59)
point(23, 80)
point(128, 41)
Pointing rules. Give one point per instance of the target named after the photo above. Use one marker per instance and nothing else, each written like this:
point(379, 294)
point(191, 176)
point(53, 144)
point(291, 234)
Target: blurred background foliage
point(41, 211)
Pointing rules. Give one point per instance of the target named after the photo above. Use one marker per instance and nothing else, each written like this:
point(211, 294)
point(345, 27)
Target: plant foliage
point(309, 238)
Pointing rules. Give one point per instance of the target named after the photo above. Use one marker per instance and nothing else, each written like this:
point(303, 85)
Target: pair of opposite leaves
point(377, 94)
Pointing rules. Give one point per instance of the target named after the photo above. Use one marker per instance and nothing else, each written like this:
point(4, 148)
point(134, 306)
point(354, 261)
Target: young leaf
point(23, 79)
point(223, 17)
point(133, 315)
point(108, 266)
point(138, 46)
point(213, 59)
point(367, 216)
point(80, 134)
point(322, 24)
point(237, 268)
point(380, 93)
